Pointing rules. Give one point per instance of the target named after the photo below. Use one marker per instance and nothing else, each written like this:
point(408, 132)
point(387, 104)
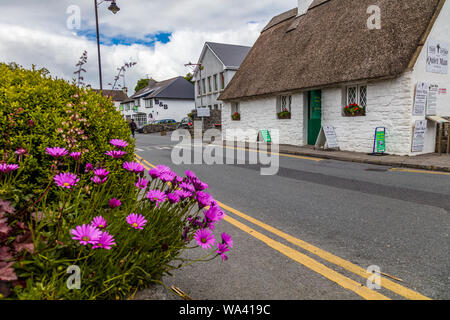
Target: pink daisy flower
point(105, 241)
point(142, 183)
point(173, 198)
point(133, 167)
point(99, 222)
point(187, 186)
point(89, 167)
point(56, 152)
point(183, 194)
point(204, 238)
point(137, 221)
point(116, 154)
point(119, 143)
point(86, 234)
point(101, 173)
point(158, 171)
point(156, 196)
point(7, 168)
point(221, 249)
point(226, 239)
point(114, 203)
point(204, 199)
point(66, 180)
point(76, 155)
point(98, 180)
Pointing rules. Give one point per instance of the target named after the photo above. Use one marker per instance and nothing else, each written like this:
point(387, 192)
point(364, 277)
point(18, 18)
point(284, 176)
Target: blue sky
point(147, 40)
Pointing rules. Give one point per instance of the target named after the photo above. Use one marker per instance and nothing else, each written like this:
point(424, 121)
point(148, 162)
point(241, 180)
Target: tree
point(141, 84)
point(189, 77)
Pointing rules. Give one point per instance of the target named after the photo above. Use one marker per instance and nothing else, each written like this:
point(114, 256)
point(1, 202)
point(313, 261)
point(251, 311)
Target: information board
point(420, 101)
point(266, 136)
point(419, 135)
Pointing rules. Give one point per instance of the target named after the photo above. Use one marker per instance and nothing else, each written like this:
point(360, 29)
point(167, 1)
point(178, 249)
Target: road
point(312, 230)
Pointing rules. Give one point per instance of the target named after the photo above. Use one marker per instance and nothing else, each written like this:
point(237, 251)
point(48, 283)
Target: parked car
point(166, 121)
point(186, 123)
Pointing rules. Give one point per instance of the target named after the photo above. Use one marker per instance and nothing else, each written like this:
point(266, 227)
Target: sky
point(161, 36)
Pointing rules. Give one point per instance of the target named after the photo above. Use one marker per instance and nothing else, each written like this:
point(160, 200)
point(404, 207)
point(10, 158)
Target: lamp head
point(113, 7)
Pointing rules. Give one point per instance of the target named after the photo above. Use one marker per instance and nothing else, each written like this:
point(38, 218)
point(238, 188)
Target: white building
point(168, 99)
point(315, 61)
point(220, 63)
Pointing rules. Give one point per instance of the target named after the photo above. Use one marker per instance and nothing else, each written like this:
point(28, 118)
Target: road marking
point(419, 171)
point(299, 257)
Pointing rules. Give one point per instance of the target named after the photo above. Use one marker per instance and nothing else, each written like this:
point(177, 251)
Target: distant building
point(220, 63)
point(117, 96)
point(327, 65)
point(168, 99)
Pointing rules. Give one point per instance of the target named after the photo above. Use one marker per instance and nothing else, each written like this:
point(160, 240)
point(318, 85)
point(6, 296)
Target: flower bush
point(236, 116)
point(37, 112)
point(354, 110)
point(284, 114)
point(121, 234)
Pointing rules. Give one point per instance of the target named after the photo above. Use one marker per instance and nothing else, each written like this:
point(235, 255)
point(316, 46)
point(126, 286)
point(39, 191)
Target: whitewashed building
point(220, 63)
point(168, 99)
point(315, 60)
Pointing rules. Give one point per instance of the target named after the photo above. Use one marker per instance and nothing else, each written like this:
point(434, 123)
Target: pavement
point(301, 234)
point(433, 161)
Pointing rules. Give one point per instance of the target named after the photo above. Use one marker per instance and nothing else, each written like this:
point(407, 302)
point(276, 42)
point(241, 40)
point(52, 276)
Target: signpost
point(266, 136)
point(327, 135)
point(419, 135)
point(379, 141)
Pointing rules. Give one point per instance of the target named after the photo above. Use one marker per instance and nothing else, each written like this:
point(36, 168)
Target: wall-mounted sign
point(203, 112)
point(442, 90)
point(432, 100)
point(420, 101)
point(166, 107)
point(437, 58)
point(419, 135)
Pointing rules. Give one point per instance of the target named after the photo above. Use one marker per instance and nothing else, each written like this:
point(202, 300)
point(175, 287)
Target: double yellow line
point(312, 264)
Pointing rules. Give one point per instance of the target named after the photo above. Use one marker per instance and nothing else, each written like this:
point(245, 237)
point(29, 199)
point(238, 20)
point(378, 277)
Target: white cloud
point(39, 34)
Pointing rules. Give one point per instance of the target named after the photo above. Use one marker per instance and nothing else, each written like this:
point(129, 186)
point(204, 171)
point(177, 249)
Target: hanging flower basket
point(354, 110)
point(236, 116)
point(284, 115)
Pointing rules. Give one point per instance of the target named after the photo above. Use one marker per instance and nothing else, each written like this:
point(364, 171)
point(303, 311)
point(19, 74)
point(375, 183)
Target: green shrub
point(37, 112)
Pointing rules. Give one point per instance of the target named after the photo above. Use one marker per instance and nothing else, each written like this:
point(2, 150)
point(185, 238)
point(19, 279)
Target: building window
point(216, 88)
point(199, 89)
point(204, 86)
point(356, 100)
point(137, 102)
point(235, 111)
point(149, 103)
point(216, 107)
point(127, 106)
point(284, 107)
point(222, 81)
point(209, 85)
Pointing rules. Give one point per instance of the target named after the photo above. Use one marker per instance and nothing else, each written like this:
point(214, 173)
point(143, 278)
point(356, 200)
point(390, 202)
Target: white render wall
point(260, 114)
point(177, 109)
point(389, 105)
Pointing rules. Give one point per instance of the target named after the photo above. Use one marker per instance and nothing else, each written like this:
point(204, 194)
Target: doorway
point(314, 115)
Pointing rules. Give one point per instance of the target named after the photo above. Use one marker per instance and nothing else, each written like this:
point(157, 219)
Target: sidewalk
point(433, 161)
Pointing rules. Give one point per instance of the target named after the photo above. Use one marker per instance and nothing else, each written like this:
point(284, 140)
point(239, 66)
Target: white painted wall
point(439, 32)
point(177, 109)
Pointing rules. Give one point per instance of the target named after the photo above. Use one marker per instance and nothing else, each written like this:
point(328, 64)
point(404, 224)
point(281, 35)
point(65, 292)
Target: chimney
point(125, 90)
point(303, 6)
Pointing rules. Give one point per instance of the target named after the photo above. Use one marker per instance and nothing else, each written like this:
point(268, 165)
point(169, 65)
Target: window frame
point(358, 88)
point(222, 80)
point(216, 87)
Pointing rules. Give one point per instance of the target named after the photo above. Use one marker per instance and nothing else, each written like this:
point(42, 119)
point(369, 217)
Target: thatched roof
point(115, 95)
point(332, 44)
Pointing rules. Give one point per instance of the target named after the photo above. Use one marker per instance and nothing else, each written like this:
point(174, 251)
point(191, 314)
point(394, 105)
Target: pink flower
point(133, 167)
point(66, 180)
point(183, 194)
point(204, 199)
point(142, 183)
point(21, 151)
point(86, 234)
point(89, 167)
point(221, 249)
point(101, 173)
point(76, 155)
point(7, 168)
point(214, 214)
point(114, 203)
point(137, 221)
point(226, 239)
point(173, 198)
point(159, 170)
point(105, 241)
point(119, 143)
point(98, 180)
point(187, 186)
point(156, 196)
point(116, 154)
point(204, 238)
point(56, 152)
point(99, 222)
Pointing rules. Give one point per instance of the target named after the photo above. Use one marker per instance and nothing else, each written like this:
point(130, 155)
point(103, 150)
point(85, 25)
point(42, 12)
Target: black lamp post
point(114, 9)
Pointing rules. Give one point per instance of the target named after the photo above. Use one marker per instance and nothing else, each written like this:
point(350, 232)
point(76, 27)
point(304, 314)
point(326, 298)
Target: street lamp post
point(114, 9)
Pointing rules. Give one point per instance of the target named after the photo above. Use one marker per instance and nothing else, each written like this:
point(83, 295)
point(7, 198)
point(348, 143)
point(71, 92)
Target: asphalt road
point(360, 215)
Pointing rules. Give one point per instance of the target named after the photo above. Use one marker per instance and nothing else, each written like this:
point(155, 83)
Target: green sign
point(266, 135)
point(381, 141)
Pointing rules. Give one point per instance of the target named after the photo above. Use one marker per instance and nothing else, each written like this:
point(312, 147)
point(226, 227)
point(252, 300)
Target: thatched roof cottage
point(353, 65)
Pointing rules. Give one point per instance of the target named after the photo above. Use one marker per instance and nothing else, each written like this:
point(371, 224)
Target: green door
point(314, 115)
